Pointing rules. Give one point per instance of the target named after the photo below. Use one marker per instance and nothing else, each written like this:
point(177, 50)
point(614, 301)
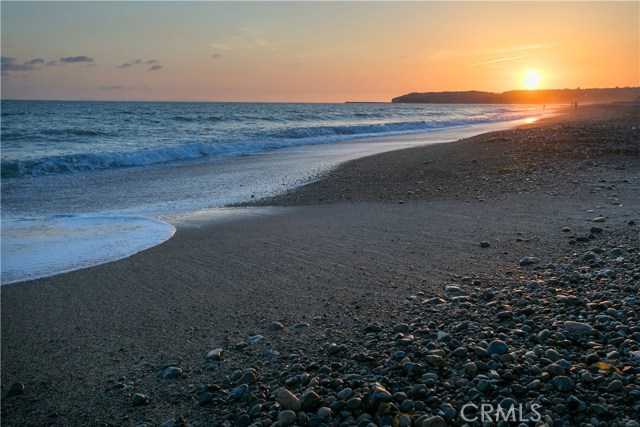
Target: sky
point(312, 51)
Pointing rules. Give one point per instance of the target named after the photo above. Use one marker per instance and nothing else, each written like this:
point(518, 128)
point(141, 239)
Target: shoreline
point(332, 267)
point(198, 185)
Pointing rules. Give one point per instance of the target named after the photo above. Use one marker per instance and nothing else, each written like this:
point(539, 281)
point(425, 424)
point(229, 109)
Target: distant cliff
point(549, 96)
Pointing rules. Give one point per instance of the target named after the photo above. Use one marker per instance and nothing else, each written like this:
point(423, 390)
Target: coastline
point(351, 256)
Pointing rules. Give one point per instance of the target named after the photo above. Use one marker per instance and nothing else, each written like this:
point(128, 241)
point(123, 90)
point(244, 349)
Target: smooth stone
point(275, 326)
point(16, 389)
point(577, 327)
point(529, 261)
point(498, 347)
point(171, 372)
point(255, 339)
point(287, 417)
point(248, 377)
point(309, 400)
point(459, 352)
point(288, 400)
point(240, 391)
point(598, 219)
point(205, 398)
point(215, 354)
point(401, 327)
point(484, 244)
point(452, 289)
point(436, 421)
point(345, 393)
point(373, 327)
point(562, 383)
point(324, 412)
point(139, 399)
point(377, 395)
point(243, 421)
point(615, 386)
point(354, 403)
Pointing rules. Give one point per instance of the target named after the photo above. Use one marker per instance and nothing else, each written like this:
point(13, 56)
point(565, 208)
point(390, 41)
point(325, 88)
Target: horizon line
point(310, 102)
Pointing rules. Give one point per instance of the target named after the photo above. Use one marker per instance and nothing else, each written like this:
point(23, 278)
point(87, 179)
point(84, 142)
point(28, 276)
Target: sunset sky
point(312, 51)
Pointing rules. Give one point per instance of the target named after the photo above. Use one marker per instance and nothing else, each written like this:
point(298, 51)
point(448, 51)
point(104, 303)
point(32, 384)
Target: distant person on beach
point(575, 106)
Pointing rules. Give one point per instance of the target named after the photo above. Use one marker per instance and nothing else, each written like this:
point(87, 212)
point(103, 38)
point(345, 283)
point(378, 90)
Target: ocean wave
point(281, 138)
point(106, 143)
point(191, 119)
point(370, 129)
point(75, 132)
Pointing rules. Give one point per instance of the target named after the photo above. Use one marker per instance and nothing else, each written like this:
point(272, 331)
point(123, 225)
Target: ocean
point(87, 182)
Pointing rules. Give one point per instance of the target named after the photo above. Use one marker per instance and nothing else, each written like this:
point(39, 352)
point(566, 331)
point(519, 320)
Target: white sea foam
point(40, 247)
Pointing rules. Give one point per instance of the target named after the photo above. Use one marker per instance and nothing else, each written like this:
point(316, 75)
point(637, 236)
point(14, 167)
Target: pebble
point(484, 244)
point(275, 326)
point(577, 327)
point(171, 372)
point(139, 399)
point(248, 377)
point(436, 421)
point(16, 389)
point(562, 383)
point(288, 400)
point(598, 219)
point(498, 347)
point(287, 417)
point(529, 261)
point(205, 398)
point(373, 327)
point(215, 354)
point(255, 339)
point(615, 386)
point(240, 391)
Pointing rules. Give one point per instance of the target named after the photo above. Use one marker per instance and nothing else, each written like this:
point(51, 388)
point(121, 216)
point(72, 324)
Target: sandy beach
point(317, 267)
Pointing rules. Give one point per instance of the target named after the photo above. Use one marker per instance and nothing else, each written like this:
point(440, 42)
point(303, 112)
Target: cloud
point(216, 56)
point(76, 59)
point(9, 64)
point(35, 61)
point(513, 52)
point(52, 64)
point(511, 58)
point(249, 38)
point(116, 87)
point(154, 62)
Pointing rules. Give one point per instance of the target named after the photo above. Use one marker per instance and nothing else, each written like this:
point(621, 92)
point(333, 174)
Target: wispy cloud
point(493, 61)
point(116, 88)
point(76, 59)
point(155, 64)
point(504, 53)
point(247, 38)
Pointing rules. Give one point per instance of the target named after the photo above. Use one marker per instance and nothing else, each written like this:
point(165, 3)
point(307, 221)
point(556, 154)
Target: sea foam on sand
point(40, 247)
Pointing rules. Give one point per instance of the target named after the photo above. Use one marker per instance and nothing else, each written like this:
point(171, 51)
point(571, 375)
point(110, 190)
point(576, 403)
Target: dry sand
point(374, 231)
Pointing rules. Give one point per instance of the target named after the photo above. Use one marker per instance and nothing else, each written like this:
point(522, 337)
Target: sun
point(532, 79)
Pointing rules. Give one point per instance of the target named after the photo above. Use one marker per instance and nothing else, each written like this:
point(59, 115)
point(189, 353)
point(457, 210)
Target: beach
point(327, 276)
